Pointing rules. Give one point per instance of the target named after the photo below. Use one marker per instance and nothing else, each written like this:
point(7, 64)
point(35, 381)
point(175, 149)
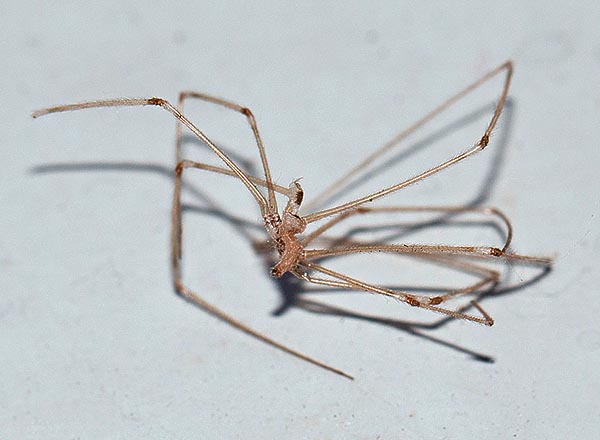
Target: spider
point(286, 227)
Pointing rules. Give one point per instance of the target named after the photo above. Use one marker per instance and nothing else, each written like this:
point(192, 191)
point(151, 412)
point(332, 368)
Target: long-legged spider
point(286, 228)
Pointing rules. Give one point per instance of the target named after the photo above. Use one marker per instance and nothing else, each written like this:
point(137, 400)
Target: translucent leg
point(251, 121)
point(479, 145)
point(127, 102)
point(407, 209)
point(429, 304)
point(365, 163)
point(186, 292)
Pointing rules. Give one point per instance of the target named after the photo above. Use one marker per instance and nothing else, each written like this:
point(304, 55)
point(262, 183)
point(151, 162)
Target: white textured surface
point(96, 345)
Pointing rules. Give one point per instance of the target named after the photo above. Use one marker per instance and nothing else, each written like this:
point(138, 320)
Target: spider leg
point(187, 293)
point(478, 146)
point(165, 105)
point(251, 122)
point(413, 300)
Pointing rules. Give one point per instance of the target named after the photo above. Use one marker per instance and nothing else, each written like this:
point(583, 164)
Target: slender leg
point(405, 209)
point(443, 254)
point(187, 293)
point(251, 121)
point(466, 251)
point(488, 275)
point(135, 102)
point(429, 304)
point(211, 168)
point(489, 279)
point(321, 281)
point(479, 145)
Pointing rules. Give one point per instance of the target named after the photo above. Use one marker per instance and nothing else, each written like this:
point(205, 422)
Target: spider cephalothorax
point(283, 231)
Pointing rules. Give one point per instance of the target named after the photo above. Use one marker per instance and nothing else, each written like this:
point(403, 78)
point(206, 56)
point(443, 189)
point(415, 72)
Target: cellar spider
point(286, 227)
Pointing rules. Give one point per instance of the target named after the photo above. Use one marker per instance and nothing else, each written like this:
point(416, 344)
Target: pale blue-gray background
point(94, 344)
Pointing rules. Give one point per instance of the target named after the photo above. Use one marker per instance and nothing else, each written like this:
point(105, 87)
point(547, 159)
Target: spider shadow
point(293, 291)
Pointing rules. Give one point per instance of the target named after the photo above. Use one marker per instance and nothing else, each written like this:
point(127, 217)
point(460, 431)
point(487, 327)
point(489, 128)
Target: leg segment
point(429, 304)
point(479, 145)
point(466, 251)
point(187, 293)
point(137, 102)
point(489, 279)
point(406, 209)
point(251, 121)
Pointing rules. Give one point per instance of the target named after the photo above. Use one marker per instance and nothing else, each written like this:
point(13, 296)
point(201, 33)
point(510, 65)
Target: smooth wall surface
point(95, 344)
